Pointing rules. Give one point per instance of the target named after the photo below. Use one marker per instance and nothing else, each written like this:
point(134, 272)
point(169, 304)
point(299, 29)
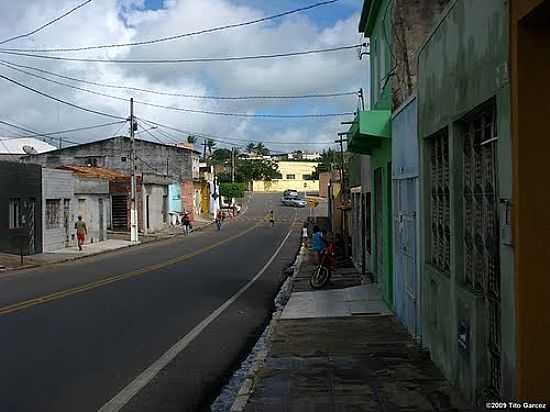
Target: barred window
point(480, 226)
point(439, 254)
point(15, 214)
point(53, 217)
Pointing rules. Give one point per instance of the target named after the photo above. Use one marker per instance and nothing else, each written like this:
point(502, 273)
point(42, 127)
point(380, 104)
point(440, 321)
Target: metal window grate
point(440, 239)
point(480, 227)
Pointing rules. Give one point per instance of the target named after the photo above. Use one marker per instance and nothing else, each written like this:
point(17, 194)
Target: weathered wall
point(413, 20)
point(462, 65)
point(114, 153)
point(153, 213)
point(530, 62)
point(57, 185)
point(406, 256)
point(91, 195)
point(20, 181)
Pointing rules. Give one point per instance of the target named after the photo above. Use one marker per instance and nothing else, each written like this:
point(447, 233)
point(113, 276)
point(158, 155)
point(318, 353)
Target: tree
point(261, 149)
point(326, 162)
point(257, 169)
point(250, 148)
point(191, 139)
point(220, 156)
point(210, 144)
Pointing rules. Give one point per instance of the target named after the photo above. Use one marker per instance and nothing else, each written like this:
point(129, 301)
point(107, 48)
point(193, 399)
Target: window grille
point(53, 207)
point(290, 177)
point(15, 214)
point(440, 225)
point(481, 227)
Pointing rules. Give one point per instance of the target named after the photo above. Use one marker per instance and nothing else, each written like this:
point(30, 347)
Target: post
point(133, 209)
point(362, 97)
point(232, 165)
point(341, 140)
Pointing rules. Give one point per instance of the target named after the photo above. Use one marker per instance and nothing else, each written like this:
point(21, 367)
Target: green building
point(463, 94)
point(371, 135)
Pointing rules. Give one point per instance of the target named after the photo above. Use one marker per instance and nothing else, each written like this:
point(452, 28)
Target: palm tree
point(250, 148)
point(262, 150)
point(210, 144)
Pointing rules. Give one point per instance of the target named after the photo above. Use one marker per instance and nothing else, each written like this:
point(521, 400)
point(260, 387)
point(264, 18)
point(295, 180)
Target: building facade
point(57, 213)
point(465, 184)
point(20, 208)
point(294, 175)
point(370, 134)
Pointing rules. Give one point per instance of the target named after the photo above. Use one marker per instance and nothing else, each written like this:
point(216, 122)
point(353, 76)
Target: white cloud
point(112, 21)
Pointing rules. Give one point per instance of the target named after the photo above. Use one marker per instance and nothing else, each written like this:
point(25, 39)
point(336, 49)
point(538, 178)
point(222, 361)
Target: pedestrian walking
point(304, 234)
point(186, 222)
point(81, 232)
point(219, 220)
point(271, 217)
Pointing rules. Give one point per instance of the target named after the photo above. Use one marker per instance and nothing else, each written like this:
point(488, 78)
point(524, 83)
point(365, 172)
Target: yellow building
point(294, 175)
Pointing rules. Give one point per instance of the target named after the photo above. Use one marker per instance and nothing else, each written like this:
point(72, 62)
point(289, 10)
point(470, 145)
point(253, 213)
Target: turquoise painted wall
point(380, 99)
point(462, 65)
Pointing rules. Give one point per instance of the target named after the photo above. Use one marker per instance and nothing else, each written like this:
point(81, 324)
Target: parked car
point(290, 193)
point(293, 202)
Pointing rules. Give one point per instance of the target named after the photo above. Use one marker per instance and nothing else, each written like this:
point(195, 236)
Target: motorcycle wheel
point(319, 278)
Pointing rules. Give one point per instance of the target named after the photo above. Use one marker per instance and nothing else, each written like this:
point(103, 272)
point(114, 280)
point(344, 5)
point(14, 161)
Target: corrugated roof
point(15, 146)
point(99, 172)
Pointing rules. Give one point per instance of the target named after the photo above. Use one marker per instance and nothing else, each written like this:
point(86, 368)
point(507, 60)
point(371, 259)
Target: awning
point(369, 130)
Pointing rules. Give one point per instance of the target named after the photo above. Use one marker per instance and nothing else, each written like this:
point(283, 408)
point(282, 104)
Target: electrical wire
point(180, 109)
point(192, 96)
point(189, 60)
point(181, 36)
point(78, 129)
point(75, 106)
point(227, 140)
point(26, 130)
point(46, 24)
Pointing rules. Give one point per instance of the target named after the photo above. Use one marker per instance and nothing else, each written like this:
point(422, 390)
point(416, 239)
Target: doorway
point(101, 220)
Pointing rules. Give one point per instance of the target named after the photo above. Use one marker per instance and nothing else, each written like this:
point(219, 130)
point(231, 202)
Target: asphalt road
point(98, 332)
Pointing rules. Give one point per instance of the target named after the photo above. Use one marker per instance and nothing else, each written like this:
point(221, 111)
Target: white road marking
point(133, 388)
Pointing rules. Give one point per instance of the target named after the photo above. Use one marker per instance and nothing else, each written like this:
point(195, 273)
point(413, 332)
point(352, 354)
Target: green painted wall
point(380, 159)
point(463, 65)
point(379, 30)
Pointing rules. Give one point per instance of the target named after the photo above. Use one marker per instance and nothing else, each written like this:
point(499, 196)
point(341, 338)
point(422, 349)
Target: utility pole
point(362, 97)
point(205, 144)
point(232, 165)
point(133, 209)
point(341, 141)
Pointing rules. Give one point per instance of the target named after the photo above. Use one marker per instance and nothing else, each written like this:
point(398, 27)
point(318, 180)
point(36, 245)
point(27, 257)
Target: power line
point(46, 24)
point(192, 96)
point(75, 106)
point(78, 129)
point(186, 110)
point(32, 131)
point(228, 140)
point(180, 36)
point(190, 60)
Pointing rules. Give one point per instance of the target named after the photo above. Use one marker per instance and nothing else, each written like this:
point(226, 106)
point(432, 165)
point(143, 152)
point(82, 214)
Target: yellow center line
point(15, 307)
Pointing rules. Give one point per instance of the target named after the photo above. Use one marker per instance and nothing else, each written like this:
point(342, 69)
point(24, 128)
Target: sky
point(119, 21)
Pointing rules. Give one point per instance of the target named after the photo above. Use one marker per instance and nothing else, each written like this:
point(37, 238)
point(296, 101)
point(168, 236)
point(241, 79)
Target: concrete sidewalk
point(343, 350)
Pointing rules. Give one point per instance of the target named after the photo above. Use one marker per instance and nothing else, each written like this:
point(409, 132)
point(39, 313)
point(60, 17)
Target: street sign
point(312, 203)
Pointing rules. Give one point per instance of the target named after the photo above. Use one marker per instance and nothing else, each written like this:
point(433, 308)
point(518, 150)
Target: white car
point(293, 202)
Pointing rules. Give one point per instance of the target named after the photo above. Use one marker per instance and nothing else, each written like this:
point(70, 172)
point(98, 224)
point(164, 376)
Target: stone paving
point(345, 360)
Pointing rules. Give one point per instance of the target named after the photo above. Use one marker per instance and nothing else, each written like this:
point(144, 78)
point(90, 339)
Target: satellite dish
point(29, 150)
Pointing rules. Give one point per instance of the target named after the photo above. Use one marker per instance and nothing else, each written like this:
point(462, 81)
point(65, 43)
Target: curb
point(247, 388)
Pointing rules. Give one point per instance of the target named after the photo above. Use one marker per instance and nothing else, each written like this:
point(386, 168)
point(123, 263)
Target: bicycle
point(322, 273)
